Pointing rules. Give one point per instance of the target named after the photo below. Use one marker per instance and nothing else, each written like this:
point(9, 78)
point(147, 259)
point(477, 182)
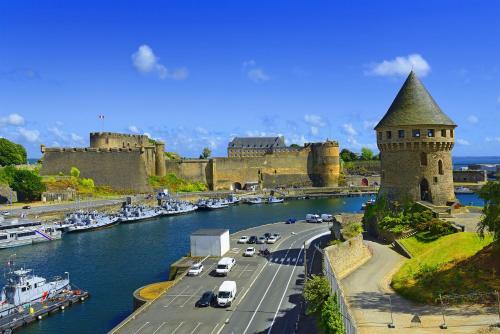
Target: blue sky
point(197, 73)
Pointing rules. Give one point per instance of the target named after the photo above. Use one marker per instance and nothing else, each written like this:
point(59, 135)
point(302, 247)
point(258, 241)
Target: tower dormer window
point(415, 133)
point(388, 134)
point(379, 135)
point(430, 132)
point(443, 133)
point(423, 159)
point(401, 133)
point(451, 133)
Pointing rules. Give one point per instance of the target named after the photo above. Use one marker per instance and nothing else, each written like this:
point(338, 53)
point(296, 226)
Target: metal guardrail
point(349, 322)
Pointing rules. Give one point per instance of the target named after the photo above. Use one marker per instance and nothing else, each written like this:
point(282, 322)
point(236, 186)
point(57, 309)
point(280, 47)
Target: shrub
point(331, 318)
point(352, 230)
point(316, 292)
point(75, 172)
point(11, 153)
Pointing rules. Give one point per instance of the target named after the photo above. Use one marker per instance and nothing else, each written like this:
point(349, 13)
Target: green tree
point(366, 153)
point(347, 155)
point(75, 172)
point(205, 153)
point(490, 220)
point(316, 292)
point(331, 319)
point(11, 153)
point(28, 185)
point(295, 145)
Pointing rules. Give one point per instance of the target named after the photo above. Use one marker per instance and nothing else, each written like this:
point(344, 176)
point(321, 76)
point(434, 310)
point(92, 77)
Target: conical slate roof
point(413, 106)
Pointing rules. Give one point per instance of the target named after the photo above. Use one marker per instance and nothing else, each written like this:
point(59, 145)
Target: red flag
point(45, 295)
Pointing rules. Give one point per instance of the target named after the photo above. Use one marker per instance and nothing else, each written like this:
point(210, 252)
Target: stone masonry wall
point(190, 170)
point(348, 255)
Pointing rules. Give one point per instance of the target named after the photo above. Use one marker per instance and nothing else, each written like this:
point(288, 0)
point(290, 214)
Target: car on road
point(26, 207)
point(207, 299)
point(291, 221)
point(195, 269)
point(277, 236)
point(252, 239)
point(313, 218)
point(243, 239)
point(326, 217)
point(250, 251)
point(261, 240)
point(5, 213)
point(271, 240)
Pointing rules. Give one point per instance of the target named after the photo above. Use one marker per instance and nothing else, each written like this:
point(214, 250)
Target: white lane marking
point(265, 292)
point(196, 328)
point(213, 330)
point(242, 271)
point(191, 297)
point(207, 271)
point(187, 287)
point(162, 324)
point(176, 328)
point(140, 328)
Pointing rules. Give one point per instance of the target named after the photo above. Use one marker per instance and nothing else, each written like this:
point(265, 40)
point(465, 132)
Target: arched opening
point(425, 194)
point(423, 159)
point(237, 186)
point(440, 167)
point(364, 182)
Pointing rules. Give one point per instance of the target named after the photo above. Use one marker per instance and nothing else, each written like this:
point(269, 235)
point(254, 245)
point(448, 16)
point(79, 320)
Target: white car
point(272, 239)
point(243, 239)
point(261, 240)
point(250, 251)
point(195, 269)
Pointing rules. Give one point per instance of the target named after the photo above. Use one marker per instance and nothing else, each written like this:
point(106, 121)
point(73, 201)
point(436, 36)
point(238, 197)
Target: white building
point(209, 242)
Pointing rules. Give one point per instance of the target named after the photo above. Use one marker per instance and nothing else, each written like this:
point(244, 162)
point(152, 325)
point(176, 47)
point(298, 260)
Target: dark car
point(267, 235)
point(26, 207)
point(253, 239)
point(206, 299)
point(291, 221)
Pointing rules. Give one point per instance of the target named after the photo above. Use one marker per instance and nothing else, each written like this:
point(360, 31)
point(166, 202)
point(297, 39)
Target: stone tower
point(326, 164)
point(415, 139)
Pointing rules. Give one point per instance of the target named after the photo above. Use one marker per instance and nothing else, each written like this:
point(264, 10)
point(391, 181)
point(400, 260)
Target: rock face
point(415, 139)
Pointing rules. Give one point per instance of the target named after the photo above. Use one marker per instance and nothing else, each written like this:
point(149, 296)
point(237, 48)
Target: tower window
point(443, 133)
point(380, 135)
point(435, 179)
point(423, 159)
point(388, 134)
point(430, 132)
point(401, 133)
point(440, 167)
point(451, 133)
point(415, 133)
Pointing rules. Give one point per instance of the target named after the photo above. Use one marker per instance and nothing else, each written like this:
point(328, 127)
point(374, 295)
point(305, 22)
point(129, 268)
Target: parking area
point(175, 312)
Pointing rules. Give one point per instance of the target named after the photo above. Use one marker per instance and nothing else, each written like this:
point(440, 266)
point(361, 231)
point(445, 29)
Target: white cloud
point(315, 120)
point(472, 119)
point(349, 129)
point(12, 119)
point(29, 135)
point(314, 130)
point(498, 99)
point(369, 125)
point(201, 130)
point(76, 138)
point(145, 61)
point(489, 139)
point(147, 134)
point(254, 73)
point(57, 132)
point(400, 66)
point(462, 142)
point(133, 129)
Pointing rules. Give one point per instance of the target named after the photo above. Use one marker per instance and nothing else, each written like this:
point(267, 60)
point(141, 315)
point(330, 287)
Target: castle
point(125, 162)
point(415, 139)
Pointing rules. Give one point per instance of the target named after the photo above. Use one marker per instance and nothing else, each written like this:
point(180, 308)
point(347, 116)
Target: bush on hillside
point(176, 184)
point(11, 153)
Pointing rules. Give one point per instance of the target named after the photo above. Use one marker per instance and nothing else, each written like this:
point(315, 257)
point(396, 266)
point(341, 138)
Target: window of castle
point(435, 179)
point(388, 134)
point(440, 167)
point(415, 133)
point(430, 132)
point(401, 133)
point(451, 133)
point(380, 135)
point(443, 133)
point(423, 159)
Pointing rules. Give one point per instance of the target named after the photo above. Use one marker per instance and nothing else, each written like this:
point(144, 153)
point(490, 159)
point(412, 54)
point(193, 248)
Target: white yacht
point(23, 235)
point(23, 287)
point(256, 200)
point(131, 214)
point(463, 190)
point(273, 200)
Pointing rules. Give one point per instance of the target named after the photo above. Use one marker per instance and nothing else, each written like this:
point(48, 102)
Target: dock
point(22, 316)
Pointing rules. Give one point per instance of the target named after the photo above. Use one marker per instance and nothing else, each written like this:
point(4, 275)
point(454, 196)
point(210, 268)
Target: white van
point(313, 218)
point(226, 294)
point(327, 217)
point(224, 266)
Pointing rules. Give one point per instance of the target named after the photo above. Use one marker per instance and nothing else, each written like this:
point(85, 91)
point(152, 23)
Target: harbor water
point(112, 263)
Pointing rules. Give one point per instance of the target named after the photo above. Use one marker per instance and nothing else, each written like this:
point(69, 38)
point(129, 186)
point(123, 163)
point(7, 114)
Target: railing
point(348, 319)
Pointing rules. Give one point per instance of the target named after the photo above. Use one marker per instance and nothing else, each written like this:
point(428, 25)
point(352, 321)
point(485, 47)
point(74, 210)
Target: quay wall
point(119, 169)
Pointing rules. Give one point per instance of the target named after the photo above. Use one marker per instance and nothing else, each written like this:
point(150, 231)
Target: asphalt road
point(268, 298)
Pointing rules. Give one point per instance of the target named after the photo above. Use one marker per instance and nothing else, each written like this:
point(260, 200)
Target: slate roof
point(414, 106)
point(257, 142)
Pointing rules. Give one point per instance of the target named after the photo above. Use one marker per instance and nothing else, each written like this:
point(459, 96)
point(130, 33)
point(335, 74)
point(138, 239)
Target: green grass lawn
point(437, 266)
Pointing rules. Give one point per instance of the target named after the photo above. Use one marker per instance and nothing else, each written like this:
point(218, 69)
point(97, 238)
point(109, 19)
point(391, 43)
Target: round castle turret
point(326, 164)
point(415, 139)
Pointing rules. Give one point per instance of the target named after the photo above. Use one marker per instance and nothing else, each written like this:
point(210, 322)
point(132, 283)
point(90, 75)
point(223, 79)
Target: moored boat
point(92, 221)
point(23, 235)
point(256, 200)
point(273, 200)
point(463, 190)
point(132, 214)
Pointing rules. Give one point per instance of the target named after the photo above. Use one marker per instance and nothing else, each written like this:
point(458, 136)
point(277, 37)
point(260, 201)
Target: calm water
point(112, 263)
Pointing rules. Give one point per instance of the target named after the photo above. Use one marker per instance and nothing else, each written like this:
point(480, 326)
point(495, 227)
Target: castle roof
point(257, 142)
point(414, 106)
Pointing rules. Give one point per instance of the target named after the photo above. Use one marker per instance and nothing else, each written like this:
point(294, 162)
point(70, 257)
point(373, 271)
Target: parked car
point(326, 217)
point(224, 266)
point(227, 293)
point(291, 221)
point(195, 269)
point(277, 236)
point(5, 213)
point(271, 240)
point(26, 207)
point(250, 251)
point(252, 240)
point(207, 299)
point(261, 240)
point(267, 235)
point(243, 239)
point(313, 218)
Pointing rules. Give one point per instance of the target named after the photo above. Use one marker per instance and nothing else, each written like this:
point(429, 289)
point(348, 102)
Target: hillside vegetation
point(459, 263)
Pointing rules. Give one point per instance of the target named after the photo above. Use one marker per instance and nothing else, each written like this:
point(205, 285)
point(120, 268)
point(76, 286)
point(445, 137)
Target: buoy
point(62, 307)
point(39, 317)
point(82, 299)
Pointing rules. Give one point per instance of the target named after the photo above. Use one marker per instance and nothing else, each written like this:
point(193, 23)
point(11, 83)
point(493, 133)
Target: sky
point(197, 73)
